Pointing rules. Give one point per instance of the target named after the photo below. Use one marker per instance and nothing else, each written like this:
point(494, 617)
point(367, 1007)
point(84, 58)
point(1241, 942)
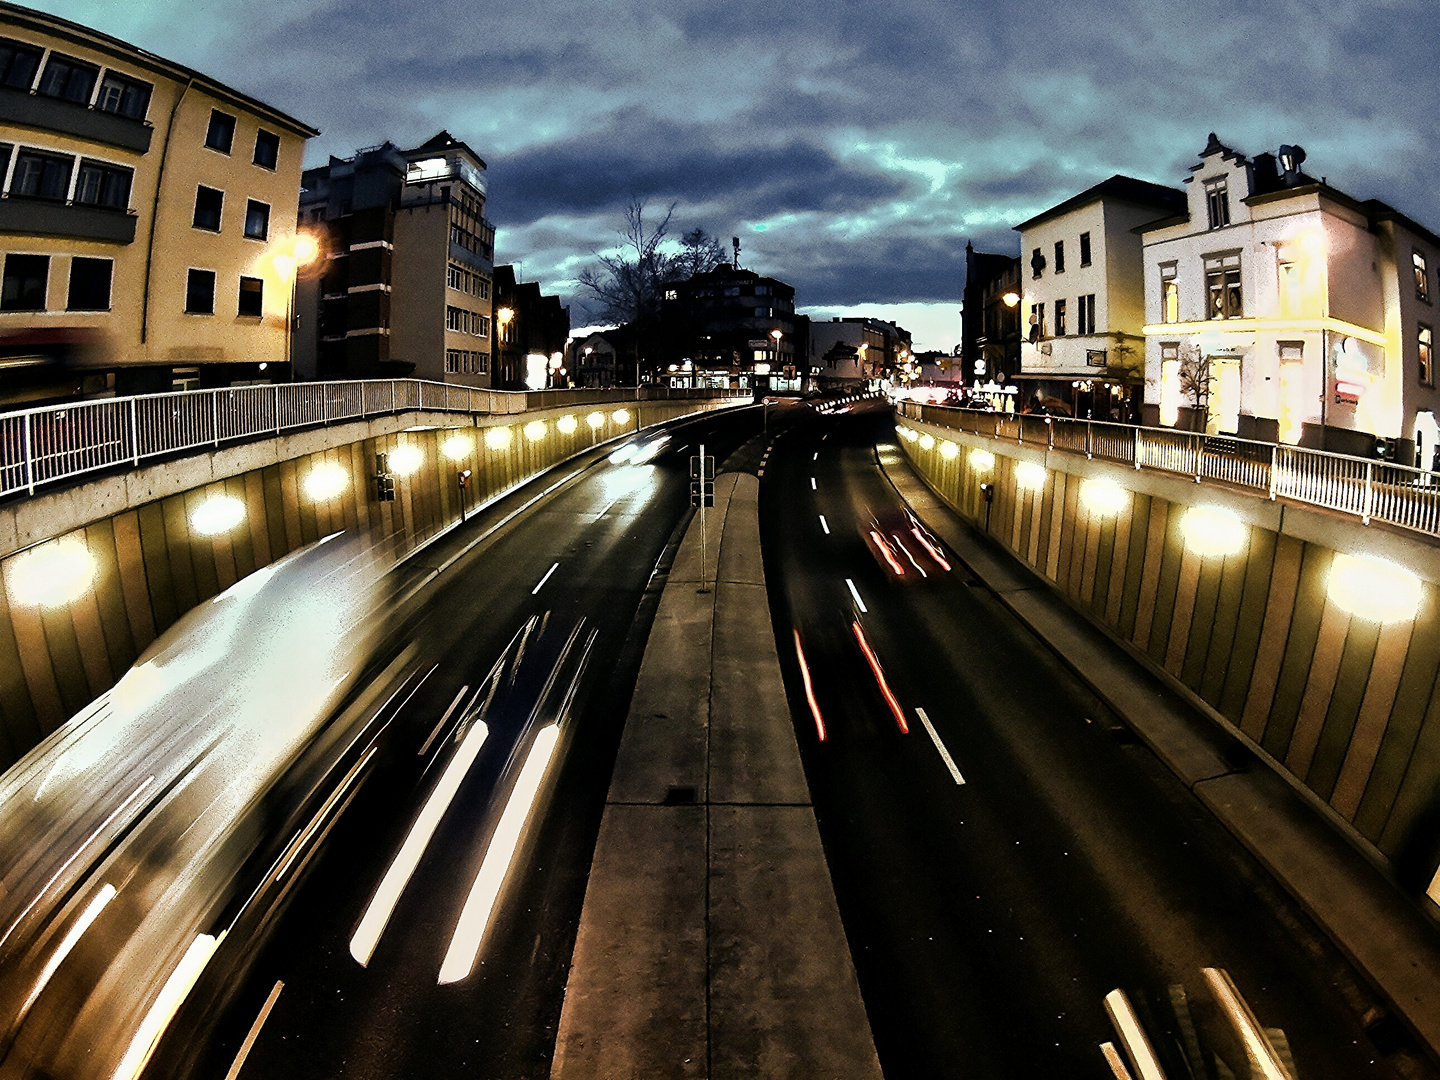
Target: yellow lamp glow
point(325, 481)
point(1029, 476)
point(405, 459)
point(217, 514)
point(927, 442)
point(457, 446)
point(497, 438)
point(621, 416)
point(1103, 497)
point(52, 574)
point(596, 420)
point(505, 314)
point(1011, 298)
point(948, 450)
point(984, 461)
point(1372, 588)
point(535, 430)
point(305, 248)
point(566, 425)
point(1210, 530)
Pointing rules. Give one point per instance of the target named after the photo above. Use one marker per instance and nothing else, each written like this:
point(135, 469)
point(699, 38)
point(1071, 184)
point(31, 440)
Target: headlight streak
point(622, 454)
point(88, 916)
point(165, 1005)
point(809, 688)
point(880, 678)
point(889, 555)
point(856, 594)
point(475, 916)
point(918, 568)
point(1258, 1047)
point(931, 548)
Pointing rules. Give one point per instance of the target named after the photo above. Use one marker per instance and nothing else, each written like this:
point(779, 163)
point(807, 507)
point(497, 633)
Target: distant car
point(905, 548)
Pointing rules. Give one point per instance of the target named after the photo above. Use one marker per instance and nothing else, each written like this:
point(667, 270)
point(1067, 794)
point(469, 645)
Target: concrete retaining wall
point(1345, 705)
point(153, 567)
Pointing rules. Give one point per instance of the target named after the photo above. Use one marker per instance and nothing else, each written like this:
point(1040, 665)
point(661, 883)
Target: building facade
point(733, 324)
point(1082, 299)
point(146, 220)
point(406, 282)
point(856, 353)
point(989, 317)
point(531, 331)
point(1281, 309)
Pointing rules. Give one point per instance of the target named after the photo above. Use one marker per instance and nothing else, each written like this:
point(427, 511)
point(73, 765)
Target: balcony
point(23, 109)
point(39, 217)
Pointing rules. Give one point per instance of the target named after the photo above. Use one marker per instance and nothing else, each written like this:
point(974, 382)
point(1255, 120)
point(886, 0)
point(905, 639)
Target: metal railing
point(46, 445)
point(1372, 490)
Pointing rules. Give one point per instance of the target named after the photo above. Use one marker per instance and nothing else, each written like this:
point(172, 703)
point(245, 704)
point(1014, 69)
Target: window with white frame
point(1425, 343)
point(1169, 293)
point(1085, 314)
point(1222, 287)
point(1217, 202)
point(1422, 276)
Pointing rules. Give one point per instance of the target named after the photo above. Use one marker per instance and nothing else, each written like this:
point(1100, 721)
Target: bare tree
point(699, 252)
point(1195, 377)
point(626, 287)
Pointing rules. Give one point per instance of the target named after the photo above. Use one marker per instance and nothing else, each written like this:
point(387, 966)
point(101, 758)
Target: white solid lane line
point(535, 591)
point(387, 894)
point(249, 1042)
point(816, 457)
point(1132, 1036)
point(812, 483)
point(475, 915)
point(944, 754)
point(444, 718)
point(855, 593)
point(824, 525)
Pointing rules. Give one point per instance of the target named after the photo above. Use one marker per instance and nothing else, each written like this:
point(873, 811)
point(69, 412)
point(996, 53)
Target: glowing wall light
point(596, 420)
point(984, 461)
point(52, 574)
point(535, 430)
point(566, 425)
point(325, 481)
point(497, 438)
point(1371, 588)
point(949, 450)
point(1209, 530)
point(1103, 497)
point(927, 442)
point(457, 446)
point(405, 459)
point(1030, 476)
point(621, 416)
point(217, 514)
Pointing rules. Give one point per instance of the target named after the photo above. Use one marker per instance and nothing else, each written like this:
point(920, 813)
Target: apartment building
point(735, 326)
point(147, 220)
point(531, 330)
point(1081, 299)
point(854, 353)
point(1279, 308)
point(406, 285)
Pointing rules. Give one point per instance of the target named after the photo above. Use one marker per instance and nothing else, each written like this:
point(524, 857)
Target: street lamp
point(300, 251)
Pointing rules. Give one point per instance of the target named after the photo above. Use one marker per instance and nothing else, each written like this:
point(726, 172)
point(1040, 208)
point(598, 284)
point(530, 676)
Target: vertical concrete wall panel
point(1343, 712)
point(1270, 649)
point(134, 585)
point(1297, 669)
point(1373, 718)
point(1150, 572)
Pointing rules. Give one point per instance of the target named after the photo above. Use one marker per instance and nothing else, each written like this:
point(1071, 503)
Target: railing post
point(276, 388)
point(1369, 490)
point(215, 416)
point(392, 396)
point(1198, 442)
point(29, 456)
point(135, 431)
point(325, 403)
point(1274, 469)
point(1089, 440)
point(1137, 448)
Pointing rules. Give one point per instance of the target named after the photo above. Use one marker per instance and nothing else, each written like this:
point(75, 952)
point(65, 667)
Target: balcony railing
point(48, 445)
point(1369, 489)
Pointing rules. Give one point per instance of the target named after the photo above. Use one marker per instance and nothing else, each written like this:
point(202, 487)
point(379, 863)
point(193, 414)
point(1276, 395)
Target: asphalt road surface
point(1016, 855)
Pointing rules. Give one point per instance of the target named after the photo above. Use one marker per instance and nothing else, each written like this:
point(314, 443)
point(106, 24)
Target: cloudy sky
point(853, 147)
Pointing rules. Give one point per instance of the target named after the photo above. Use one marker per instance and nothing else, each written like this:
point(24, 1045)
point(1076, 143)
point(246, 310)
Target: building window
point(1037, 263)
point(103, 185)
point(1222, 286)
point(1059, 316)
point(252, 297)
point(1084, 249)
point(267, 149)
point(1169, 294)
point(466, 362)
point(200, 293)
point(1085, 314)
point(26, 280)
point(68, 79)
point(89, 284)
point(482, 287)
point(221, 133)
point(184, 378)
point(124, 97)
point(455, 319)
point(257, 220)
point(41, 176)
point(1059, 258)
point(1425, 341)
point(455, 277)
point(208, 205)
point(1037, 321)
point(1422, 277)
point(18, 64)
point(482, 326)
point(1169, 383)
point(1217, 202)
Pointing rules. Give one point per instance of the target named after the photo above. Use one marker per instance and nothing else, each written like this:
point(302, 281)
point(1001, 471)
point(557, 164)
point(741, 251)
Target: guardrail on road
point(1371, 490)
point(46, 445)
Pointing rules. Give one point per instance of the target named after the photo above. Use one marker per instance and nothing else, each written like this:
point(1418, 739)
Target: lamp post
point(504, 316)
point(300, 251)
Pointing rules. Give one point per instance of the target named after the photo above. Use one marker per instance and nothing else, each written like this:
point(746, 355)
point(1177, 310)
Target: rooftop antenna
point(736, 241)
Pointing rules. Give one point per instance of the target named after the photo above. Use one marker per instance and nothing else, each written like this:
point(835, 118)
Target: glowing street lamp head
point(52, 574)
point(1030, 476)
point(1212, 531)
point(621, 416)
point(504, 315)
point(1103, 497)
point(1011, 298)
point(776, 335)
point(305, 248)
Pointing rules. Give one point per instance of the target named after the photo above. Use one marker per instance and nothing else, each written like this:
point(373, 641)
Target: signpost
point(702, 494)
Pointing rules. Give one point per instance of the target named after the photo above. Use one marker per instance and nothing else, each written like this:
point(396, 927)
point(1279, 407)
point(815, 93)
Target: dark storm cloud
point(852, 146)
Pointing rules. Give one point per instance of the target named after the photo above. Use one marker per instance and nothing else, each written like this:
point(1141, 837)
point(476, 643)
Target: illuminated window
point(1292, 391)
point(1059, 261)
point(1169, 294)
point(1422, 278)
point(1169, 382)
point(1085, 314)
point(1059, 318)
point(1222, 286)
point(1084, 249)
point(1425, 341)
point(1217, 202)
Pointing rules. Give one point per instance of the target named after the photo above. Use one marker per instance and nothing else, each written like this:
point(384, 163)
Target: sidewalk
point(710, 943)
point(1379, 929)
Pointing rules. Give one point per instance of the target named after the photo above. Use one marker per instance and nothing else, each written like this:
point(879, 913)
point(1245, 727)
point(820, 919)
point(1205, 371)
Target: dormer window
point(1217, 202)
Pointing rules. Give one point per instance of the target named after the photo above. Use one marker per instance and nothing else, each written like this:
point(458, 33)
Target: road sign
point(707, 463)
point(702, 493)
